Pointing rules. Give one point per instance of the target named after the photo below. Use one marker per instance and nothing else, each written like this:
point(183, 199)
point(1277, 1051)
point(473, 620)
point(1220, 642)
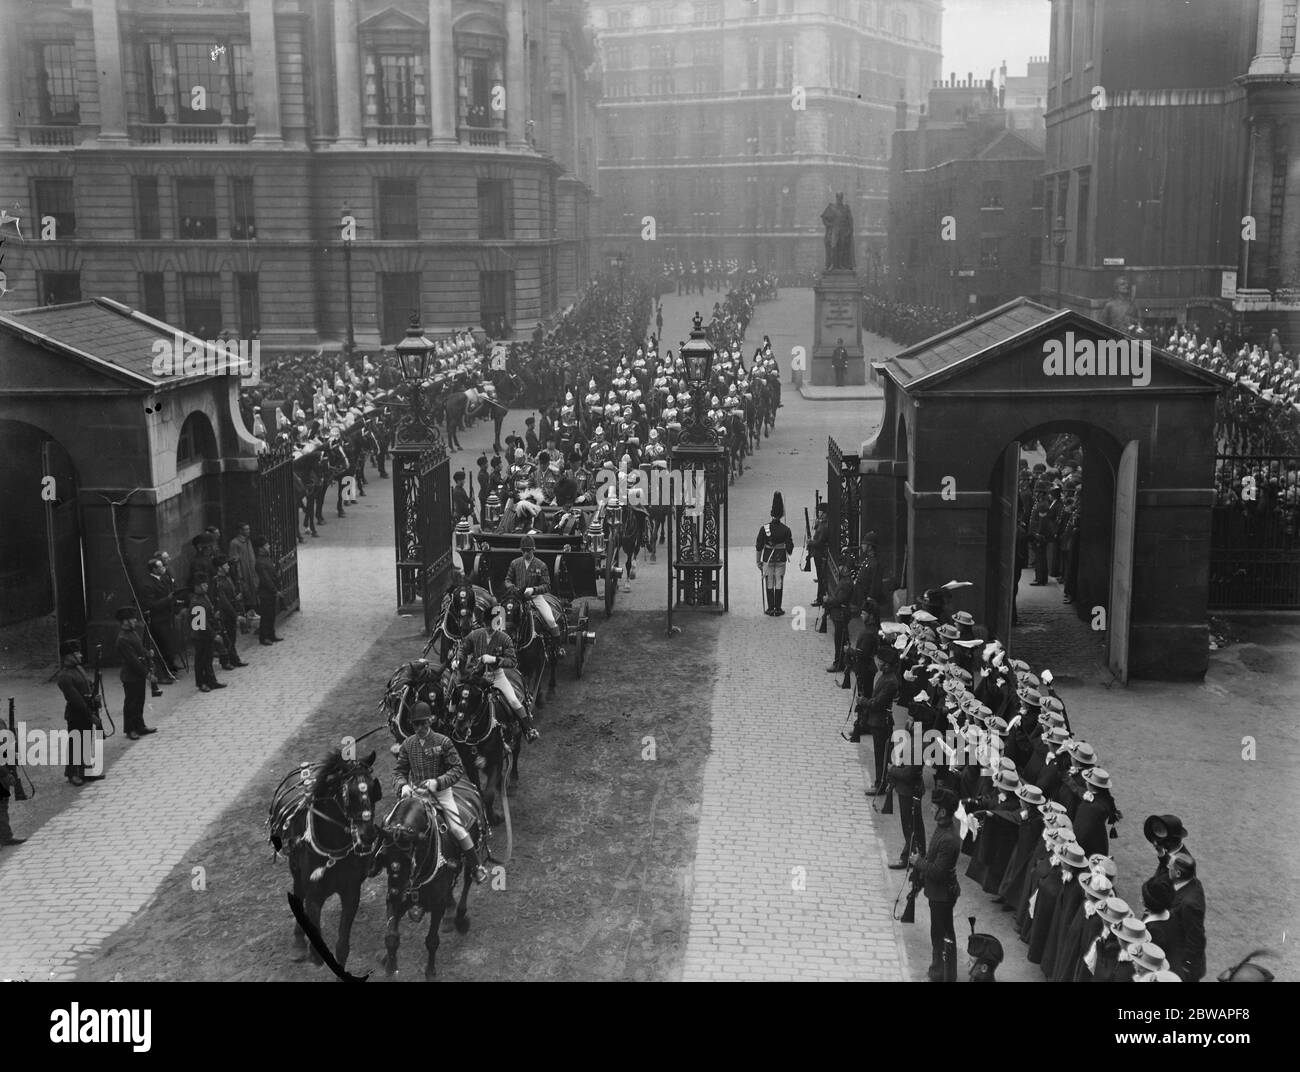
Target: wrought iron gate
point(422, 528)
point(1255, 532)
point(844, 501)
point(698, 536)
point(277, 518)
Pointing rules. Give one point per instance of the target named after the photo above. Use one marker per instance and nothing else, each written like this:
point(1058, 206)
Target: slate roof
point(104, 334)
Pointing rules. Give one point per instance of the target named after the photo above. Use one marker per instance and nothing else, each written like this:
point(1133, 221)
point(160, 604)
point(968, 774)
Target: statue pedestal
point(837, 314)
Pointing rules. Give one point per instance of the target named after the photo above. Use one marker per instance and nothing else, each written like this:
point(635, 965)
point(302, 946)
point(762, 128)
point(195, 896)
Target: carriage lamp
point(492, 508)
point(596, 535)
point(614, 511)
point(464, 538)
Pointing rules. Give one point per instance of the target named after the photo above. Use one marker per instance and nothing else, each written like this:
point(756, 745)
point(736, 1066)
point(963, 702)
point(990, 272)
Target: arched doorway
point(1067, 608)
point(42, 575)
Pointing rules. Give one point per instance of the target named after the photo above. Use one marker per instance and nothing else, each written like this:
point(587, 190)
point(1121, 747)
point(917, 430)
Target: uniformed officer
point(775, 542)
point(134, 674)
point(937, 874)
point(497, 651)
point(986, 954)
point(81, 706)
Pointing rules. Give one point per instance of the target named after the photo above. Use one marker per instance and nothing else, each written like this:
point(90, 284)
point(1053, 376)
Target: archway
point(1048, 600)
point(42, 575)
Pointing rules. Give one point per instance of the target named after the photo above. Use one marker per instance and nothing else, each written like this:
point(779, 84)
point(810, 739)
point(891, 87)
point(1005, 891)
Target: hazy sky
point(980, 34)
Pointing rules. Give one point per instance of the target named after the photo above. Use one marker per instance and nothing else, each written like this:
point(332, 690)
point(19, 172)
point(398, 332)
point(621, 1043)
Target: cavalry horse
point(470, 403)
point(628, 537)
point(322, 817)
point(333, 466)
point(422, 862)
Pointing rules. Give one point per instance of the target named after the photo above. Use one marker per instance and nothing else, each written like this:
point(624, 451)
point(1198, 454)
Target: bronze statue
point(838, 221)
point(1121, 311)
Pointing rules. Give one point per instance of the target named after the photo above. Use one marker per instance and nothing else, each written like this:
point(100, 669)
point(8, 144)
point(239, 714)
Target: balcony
point(52, 136)
point(190, 134)
point(482, 137)
point(397, 134)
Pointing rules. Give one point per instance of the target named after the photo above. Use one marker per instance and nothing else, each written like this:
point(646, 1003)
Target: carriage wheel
point(611, 581)
point(580, 645)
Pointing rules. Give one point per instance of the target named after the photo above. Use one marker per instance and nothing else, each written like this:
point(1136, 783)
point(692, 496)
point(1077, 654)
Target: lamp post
point(414, 353)
point(1058, 241)
point(348, 225)
point(697, 356)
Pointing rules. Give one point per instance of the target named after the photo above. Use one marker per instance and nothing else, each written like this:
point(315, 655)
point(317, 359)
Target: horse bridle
point(351, 827)
point(408, 841)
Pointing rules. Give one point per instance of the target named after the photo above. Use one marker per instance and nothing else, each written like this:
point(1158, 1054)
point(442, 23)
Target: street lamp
point(697, 358)
point(1058, 240)
point(348, 226)
point(414, 353)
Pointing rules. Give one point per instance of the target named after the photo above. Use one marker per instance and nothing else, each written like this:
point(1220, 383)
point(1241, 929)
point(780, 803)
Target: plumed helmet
point(778, 505)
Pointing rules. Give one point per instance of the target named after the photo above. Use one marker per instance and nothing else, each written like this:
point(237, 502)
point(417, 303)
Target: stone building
point(195, 159)
point(733, 123)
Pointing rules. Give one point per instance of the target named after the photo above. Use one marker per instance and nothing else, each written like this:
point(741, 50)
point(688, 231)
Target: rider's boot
point(476, 868)
point(777, 611)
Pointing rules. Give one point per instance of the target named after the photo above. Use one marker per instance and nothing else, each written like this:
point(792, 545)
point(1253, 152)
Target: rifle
point(98, 701)
point(807, 539)
point(909, 909)
point(16, 768)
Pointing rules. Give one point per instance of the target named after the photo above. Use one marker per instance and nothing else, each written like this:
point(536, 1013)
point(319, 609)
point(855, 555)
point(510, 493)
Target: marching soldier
point(775, 542)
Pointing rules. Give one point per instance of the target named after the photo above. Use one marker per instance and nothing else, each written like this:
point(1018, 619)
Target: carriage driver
point(493, 645)
point(529, 577)
point(429, 760)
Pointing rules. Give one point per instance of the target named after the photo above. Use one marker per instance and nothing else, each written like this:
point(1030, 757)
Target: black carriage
point(574, 561)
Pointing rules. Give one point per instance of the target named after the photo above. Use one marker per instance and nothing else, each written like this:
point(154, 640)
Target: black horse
point(322, 817)
point(415, 682)
point(422, 863)
point(628, 537)
point(463, 597)
point(532, 646)
point(488, 746)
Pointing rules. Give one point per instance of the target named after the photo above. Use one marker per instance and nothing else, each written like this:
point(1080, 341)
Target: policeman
point(775, 542)
point(81, 706)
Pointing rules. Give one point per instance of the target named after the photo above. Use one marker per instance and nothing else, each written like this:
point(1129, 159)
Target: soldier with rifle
point(81, 706)
point(936, 875)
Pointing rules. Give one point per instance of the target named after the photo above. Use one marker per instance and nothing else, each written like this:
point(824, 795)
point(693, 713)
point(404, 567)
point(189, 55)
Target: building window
point(1081, 236)
point(56, 84)
point(708, 10)
point(196, 441)
point(707, 80)
point(992, 194)
point(663, 136)
point(59, 288)
point(54, 198)
point(990, 252)
point(751, 63)
point(396, 90)
point(248, 304)
point(398, 217)
point(399, 297)
point(480, 69)
point(153, 295)
point(241, 207)
point(492, 208)
point(708, 135)
point(172, 70)
point(196, 208)
point(661, 85)
point(620, 18)
point(201, 303)
point(496, 293)
point(769, 63)
point(147, 218)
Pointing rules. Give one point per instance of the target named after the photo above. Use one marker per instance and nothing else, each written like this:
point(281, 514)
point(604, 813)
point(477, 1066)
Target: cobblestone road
point(790, 880)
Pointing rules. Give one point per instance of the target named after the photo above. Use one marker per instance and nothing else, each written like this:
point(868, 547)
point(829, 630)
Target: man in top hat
point(1186, 934)
point(937, 872)
point(774, 544)
point(80, 706)
point(133, 675)
point(1166, 834)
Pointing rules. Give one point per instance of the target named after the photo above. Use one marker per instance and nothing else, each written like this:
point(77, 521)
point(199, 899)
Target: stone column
point(108, 61)
point(347, 73)
point(9, 68)
point(266, 75)
point(517, 92)
point(1268, 40)
point(442, 75)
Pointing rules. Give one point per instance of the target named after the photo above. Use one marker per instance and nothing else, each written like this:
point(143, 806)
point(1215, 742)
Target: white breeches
point(548, 615)
point(447, 802)
point(507, 690)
